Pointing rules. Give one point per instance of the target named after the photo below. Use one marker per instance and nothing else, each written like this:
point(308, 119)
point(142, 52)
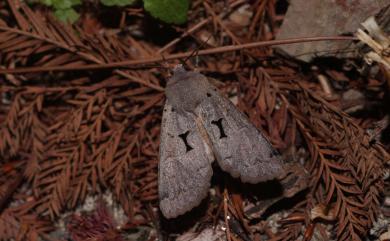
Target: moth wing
point(184, 170)
point(239, 147)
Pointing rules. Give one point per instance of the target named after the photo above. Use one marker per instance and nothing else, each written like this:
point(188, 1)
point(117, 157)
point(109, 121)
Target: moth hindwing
point(200, 124)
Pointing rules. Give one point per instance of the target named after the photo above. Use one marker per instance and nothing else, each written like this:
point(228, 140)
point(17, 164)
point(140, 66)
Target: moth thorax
point(186, 93)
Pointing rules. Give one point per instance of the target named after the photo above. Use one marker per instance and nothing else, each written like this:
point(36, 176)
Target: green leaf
point(65, 4)
point(67, 15)
point(75, 2)
point(169, 11)
point(120, 3)
point(126, 2)
point(62, 4)
point(108, 3)
point(47, 2)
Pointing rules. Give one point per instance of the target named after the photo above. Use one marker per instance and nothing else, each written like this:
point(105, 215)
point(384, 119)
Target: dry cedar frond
point(9, 226)
point(347, 168)
point(24, 130)
point(77, 132)
point(19, 226)
point(291, 226)
point(262, 102)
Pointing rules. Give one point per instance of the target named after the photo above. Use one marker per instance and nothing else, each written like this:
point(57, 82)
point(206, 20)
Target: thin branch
point(131, 63)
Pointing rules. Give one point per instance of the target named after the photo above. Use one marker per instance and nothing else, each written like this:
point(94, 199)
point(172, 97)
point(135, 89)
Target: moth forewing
point(238, 145)
point(184, 168)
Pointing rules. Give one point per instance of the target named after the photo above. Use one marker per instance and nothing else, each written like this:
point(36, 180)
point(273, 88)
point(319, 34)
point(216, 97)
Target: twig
point(226, 214)
point(131, 63)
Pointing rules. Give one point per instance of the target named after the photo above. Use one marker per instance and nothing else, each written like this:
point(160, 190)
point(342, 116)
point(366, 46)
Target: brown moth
point(198, 126)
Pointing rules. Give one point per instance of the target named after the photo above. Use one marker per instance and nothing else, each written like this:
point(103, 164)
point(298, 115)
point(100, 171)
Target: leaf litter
point(76, 132)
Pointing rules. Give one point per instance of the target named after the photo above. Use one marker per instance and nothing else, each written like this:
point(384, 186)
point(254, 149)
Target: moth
point(200, 125)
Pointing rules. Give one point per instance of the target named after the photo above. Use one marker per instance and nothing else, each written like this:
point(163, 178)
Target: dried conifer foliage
point(73, 133)
point(346, 166)
point(69, 134)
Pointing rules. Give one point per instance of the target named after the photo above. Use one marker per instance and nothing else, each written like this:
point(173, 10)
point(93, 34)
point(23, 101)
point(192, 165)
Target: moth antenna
point(164, 60)
point(196, 50)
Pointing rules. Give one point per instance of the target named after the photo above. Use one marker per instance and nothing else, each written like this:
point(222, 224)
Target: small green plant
point(119, 3)
point(169, 11)
point(63, 9)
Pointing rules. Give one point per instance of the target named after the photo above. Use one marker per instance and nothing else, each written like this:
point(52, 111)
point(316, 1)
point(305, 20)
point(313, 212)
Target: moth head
point(186, 89)
point(179, 73)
